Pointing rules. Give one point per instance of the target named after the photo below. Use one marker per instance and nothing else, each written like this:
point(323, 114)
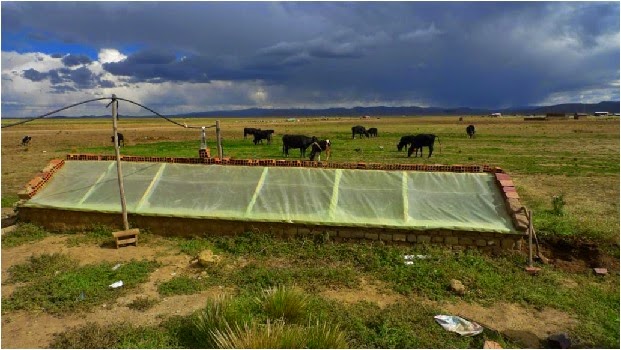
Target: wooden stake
point(118, 162)
point(529, 215)
point(219, 139)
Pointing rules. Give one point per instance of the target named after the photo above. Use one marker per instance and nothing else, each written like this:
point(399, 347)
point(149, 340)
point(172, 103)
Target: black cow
point(372, 132)
point(250, 131)
point(121, 139)
point(296, 141)
point(420, 141)
point(318, 147)
point(405, 141)
point(260, 135)
point(26, 140)
point(359, 129)
point(470, 131)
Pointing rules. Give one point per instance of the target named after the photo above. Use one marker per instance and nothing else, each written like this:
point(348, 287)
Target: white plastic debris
point(409, 263)
point(458, 325)
point(116, 284)
point(116, 267)
point(418, 256)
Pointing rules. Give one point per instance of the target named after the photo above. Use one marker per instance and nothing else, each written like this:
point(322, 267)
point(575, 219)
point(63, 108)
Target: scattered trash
point(116, 267)
point(409, 262)
point(458, 287)
point(600, 271)
point(408, 258)
point(174, 273)
point(458, 325)
point(559, 341)
point(81, 297)
point(116, 284)
point(490, 344)
point(381, 147)
point(44, 151)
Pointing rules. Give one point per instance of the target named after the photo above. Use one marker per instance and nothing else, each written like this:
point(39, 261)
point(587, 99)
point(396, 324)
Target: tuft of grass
point(79, 288)
point(142, 303)
point(279, 335)
point(287, 304)
point(558, 205)
point(24, 233)
point(193, 246)
point(217, 315)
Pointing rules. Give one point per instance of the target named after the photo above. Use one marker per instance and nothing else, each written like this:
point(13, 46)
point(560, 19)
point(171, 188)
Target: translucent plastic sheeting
point(339, 197)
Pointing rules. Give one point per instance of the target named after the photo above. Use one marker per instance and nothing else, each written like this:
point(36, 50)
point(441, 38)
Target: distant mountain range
point(568, 108)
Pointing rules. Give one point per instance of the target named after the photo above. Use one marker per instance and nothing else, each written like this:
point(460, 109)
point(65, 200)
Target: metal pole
point(529, 214)
point(118, 162)
point(219, 139)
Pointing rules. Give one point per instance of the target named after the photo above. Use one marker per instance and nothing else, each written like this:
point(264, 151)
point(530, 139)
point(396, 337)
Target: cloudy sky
point(178, 57)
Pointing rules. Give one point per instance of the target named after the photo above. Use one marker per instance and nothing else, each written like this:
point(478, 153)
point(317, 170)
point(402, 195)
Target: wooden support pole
point(118, 162)
point(219, 139)
point(529, 215)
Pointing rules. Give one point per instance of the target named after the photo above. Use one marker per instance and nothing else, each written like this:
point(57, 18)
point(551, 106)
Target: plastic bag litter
point(408, 258)
point(116, 267)
point(116, 284)
point(458, 325)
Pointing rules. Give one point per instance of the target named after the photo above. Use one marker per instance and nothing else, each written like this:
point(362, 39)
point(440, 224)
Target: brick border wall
point(503, 180)
point(61, 220)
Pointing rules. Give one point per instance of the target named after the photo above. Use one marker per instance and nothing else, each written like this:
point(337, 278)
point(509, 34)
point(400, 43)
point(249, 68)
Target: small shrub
point(45, 265)
point(24, 233)
point(558, 205)
point(283, 303)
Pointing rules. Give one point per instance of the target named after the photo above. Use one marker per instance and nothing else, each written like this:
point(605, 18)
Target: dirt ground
point(26, 329)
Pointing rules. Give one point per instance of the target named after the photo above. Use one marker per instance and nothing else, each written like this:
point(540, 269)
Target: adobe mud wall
point(66, 220)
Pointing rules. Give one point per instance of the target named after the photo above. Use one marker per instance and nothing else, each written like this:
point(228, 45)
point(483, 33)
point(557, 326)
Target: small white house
point(496, 115)
point(598, 114)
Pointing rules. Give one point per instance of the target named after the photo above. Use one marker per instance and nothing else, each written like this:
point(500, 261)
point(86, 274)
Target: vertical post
point(203, 138)
point(219, 139)
point(529, 215)
point(118, 162)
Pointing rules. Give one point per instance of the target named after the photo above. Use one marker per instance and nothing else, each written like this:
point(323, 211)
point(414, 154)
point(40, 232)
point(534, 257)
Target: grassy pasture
point(578, 159)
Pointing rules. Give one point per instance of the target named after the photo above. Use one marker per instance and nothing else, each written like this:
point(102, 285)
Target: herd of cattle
point(302, 142)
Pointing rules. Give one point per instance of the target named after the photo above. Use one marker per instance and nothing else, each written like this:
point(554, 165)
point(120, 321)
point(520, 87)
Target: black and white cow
point(318, 147)
point(121, 139)
point(470, 131)
point(405, 141)
point(26, 140)
point(297, 141)
point(420, 141)
point(260, 135)
point(250, 131)
point(372, 132)
point(358, 129)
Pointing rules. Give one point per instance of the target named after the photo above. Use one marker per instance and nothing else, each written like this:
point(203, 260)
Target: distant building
point(496, 115)
point(598, 114)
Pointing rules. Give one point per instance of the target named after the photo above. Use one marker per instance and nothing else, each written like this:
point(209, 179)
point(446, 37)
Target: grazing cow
point(250, 131)
point(405, 141)
point(359, 129)
point(121, 139)
point(26, 140)
point(372, 132)
point(317, 147)
point(470, 131)
point(296, 141)
point(420, 141)
point(260, 135)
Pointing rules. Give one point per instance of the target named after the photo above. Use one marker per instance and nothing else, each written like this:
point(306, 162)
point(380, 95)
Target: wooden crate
point(126, 237)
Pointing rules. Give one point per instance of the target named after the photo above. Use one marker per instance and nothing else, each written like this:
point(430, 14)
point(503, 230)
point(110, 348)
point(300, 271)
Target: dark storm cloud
point(479, 54)
point(34, 75)
point(75, 60)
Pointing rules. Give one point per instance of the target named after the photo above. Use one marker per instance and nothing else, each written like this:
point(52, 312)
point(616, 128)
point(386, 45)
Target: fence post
point(118, 161)
point(219, 139)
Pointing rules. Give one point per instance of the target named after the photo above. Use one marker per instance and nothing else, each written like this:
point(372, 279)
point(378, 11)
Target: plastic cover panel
point(339, 197)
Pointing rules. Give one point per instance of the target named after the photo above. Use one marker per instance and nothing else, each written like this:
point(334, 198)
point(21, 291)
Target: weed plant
point(76, 288)
point(24, 233)
point(142, 303)
point(282, 303)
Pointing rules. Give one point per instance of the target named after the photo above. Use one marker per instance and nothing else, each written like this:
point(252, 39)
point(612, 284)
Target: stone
point(532, 270)
point(559, 341)
point(451, 240)
point(490, 344)
point(207, 258)
point(423, 239)
point(457, 287)
point(399, 237)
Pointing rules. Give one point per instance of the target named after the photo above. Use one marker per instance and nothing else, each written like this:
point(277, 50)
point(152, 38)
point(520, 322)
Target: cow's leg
point(430, 151)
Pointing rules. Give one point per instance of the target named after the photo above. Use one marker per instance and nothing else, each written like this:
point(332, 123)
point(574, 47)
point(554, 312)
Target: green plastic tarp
point(338, 197)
